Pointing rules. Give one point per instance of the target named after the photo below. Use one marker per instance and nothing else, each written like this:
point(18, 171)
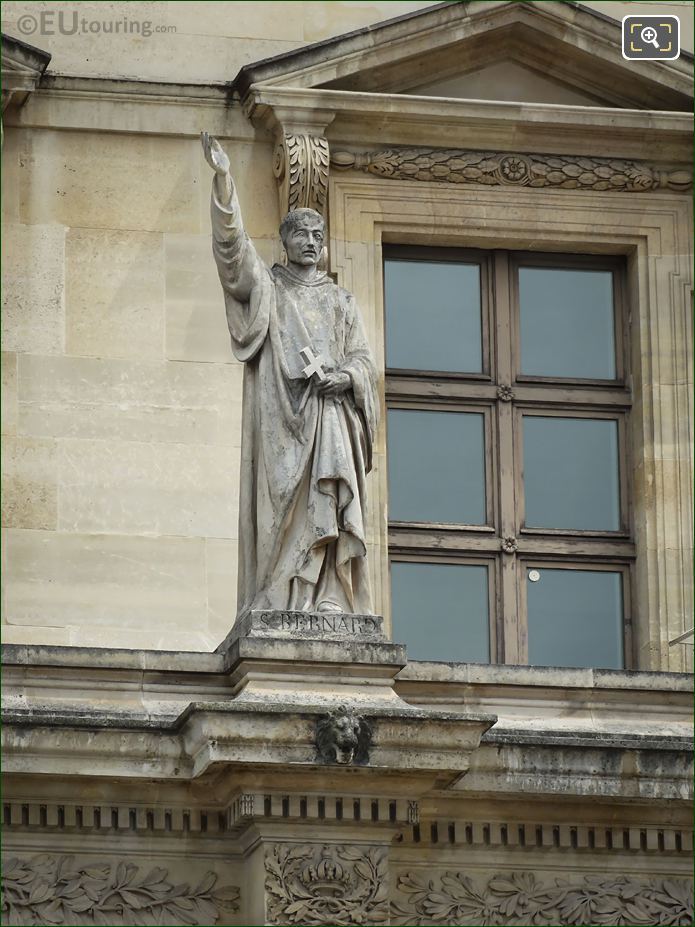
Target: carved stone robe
point(304, 457)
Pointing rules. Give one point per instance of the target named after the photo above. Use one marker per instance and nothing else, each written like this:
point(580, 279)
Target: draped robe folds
point(304, 457)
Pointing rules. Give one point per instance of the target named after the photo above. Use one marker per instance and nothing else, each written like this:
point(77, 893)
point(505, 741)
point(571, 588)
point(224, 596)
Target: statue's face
point(304, 243)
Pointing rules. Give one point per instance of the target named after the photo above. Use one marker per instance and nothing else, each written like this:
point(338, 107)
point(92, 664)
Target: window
point(509, 514)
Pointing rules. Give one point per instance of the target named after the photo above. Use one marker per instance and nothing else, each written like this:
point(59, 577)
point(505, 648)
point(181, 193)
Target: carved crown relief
point(326, 885)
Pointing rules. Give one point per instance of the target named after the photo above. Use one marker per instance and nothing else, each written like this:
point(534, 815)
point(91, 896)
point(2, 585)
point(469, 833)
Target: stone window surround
point(651, 230)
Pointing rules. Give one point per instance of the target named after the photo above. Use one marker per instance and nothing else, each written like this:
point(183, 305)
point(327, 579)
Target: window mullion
point(513, 636)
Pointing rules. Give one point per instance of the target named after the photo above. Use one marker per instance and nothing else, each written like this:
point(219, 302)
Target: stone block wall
point(121, 397)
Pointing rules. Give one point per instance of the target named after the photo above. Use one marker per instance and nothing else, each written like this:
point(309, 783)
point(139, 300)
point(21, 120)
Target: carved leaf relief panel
point(521, 898)
point(49, 890)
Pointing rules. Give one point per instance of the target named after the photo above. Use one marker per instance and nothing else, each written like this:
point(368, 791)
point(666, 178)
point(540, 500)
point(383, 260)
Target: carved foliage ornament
point(326, 885)
point(451, 165)
point(300, 164)
point(51, 890)
point(519, 898)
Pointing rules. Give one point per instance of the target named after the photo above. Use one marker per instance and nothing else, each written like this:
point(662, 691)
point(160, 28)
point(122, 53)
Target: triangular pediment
point(550, 52)
point(507, 81)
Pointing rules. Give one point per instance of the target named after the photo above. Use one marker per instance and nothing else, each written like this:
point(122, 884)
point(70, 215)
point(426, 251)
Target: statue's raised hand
point(214, 154)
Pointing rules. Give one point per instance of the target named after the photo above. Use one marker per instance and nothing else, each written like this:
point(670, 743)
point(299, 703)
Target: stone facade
point(301, 772)
point(217, 788)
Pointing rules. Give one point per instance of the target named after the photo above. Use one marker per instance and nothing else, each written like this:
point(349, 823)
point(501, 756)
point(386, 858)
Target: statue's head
point(302, 232)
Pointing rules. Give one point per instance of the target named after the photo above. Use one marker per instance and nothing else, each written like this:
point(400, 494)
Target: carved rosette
point(300, 164)
point(566, 172)
point(337, 885)
point(54, 890)
point(505, 393)
point(521, 898)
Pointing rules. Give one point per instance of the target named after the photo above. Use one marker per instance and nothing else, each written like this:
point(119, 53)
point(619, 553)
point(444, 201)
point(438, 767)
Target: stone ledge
point(172, 723)
point(169, 723)
point(49, 717)
point(174, 661)
point(245, 734)
point(546, 676)
point(416, 671)
point(585, 738)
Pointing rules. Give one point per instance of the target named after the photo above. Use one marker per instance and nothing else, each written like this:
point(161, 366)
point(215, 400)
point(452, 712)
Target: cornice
point(395, 119)
point(23, 66)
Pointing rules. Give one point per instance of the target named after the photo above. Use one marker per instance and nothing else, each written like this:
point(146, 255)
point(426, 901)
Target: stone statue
point(310, 412)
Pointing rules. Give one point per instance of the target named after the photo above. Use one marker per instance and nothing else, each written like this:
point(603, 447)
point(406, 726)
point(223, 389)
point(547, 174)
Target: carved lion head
point(343, 737)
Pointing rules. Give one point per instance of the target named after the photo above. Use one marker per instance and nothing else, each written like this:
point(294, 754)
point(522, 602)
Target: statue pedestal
point(317, 741)
point(312, 657)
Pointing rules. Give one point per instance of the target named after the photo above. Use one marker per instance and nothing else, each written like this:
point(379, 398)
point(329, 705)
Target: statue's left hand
point(336, 383)
point(215, 155)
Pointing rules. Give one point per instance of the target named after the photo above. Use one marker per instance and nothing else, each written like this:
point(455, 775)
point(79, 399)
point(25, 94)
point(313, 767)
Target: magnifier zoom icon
point(648, 36)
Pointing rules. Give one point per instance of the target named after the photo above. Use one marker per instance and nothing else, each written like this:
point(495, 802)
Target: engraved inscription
point(332, 624)
point(315, 623)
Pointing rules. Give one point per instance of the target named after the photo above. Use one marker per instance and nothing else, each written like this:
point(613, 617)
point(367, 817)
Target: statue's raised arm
point(238, 263)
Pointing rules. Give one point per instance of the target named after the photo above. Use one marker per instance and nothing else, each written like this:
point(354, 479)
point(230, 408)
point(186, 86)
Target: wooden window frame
point(532, 395)
point(487, 411)
point(624, 494)
point(620, 328)
point(491, 564)
point(623, 567)
point(453, 256)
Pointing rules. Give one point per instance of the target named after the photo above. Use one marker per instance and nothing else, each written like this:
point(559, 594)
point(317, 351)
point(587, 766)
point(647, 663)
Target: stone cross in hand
point(315, 362)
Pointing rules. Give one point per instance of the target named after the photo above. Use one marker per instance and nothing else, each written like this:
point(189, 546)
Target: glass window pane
point(436, 466)
point(575, 618)
point(433, 316)
point(440, 611)
point(567, 326)
point(571, 477)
